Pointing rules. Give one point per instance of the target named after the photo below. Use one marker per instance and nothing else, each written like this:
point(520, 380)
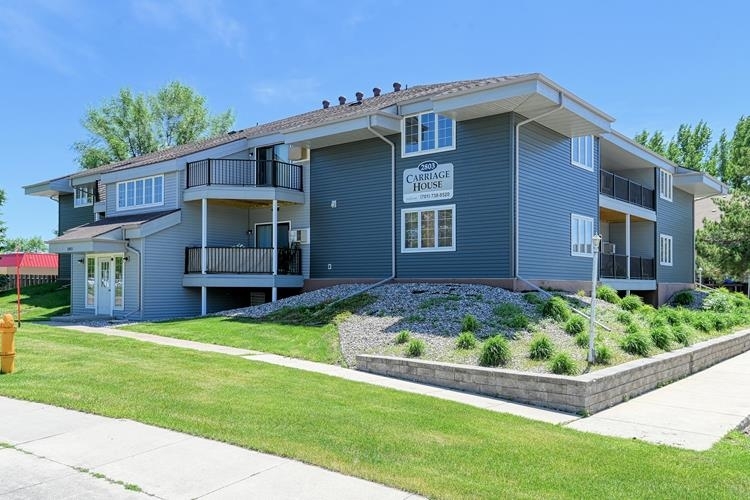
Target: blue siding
point(69, 217)
point(675, 218)
point(551, 189)
point(173, 187)
point(483, 195)
point(355, 237)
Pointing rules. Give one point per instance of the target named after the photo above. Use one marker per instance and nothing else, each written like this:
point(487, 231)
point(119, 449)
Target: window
point(84, 196)
point(665, 250)
point(581, 233)
point(119, 283)
point(427, 133)
point(90, 282)
point(582, 152)
point(146, 192)
point(430, 229)
point(665, 185)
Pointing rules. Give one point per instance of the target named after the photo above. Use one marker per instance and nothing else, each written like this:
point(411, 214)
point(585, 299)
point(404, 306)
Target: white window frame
point(94, 257)
point(419, 150)
point(666, 250)
point(140, 183)
point(665, 185)
point(578, 239)
point(419, 211)
point(585, 158)
point(84, 196)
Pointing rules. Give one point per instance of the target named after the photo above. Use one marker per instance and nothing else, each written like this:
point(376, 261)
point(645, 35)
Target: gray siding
point(69, 217)
point(483, 196)
point(355, 237)
point(78, 285)
point(551, 190)
point(641, 238)
point(675, 218)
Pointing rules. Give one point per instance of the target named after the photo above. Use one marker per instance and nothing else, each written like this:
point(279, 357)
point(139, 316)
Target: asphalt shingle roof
point(103, 226)
point(305, 120)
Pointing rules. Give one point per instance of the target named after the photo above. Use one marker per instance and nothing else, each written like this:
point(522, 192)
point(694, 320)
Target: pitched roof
point(103, 226)
point(305, 120)
point(39, 260)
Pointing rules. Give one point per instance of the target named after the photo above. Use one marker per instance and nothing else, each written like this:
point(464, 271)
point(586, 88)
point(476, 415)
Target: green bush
point(402, 337)
point(684, 298)
point(533, 298)
point(466, 340)
point(718, 301)
point(607, 294)
point(582, 339)
point(575, 325)
point(518, 322)
point(602, 354)
point(541, 347)
point(721, 321)
point(415, 348)
point(511, 315)
point(625, 317)
point(631, 302)
point(632, 328)
point(469, 323)
point(661, 337)
point(681, 334)
point(703, 322)
point(637, 343)
point(506, 309)
point(557, 309)
point(563, 364)
point(671, 315)
point(495, 351)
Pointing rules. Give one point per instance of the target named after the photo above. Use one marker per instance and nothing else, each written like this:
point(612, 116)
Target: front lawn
point(38, 302)
point(433, 447)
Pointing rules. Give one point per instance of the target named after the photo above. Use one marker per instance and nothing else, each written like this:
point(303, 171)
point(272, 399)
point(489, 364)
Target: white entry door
point(104, 286)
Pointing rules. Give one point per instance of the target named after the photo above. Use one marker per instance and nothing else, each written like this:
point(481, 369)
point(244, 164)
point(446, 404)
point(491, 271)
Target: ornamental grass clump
point(684, 298)
point(607, 294)
point(402, 337)
point(557, 309)
point(602, 354)
point(575, 325)
point(563, 364)
point(495, 351)
point(470, 323)
point(636, 342)
point(631, 302)
point(415, 348)
point(661, 336)
point(466, 340)
point(582, 339)
point(681, 334)
point(541, 347)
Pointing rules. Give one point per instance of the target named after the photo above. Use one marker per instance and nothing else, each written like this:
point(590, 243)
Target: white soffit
point(621, 153)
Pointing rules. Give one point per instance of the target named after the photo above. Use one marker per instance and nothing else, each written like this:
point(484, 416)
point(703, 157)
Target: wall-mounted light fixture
point(80, 261)
point(126, 258)
point(249, 232)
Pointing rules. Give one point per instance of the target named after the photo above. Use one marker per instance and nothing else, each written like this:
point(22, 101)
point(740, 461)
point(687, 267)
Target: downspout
point(140, 279)
point(517, 182)
point(393, 200)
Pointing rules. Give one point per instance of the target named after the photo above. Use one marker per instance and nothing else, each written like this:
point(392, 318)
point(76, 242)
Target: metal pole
point(592, 315)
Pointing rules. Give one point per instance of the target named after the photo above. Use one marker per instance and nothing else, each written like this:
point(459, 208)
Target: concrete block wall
point(587, 394)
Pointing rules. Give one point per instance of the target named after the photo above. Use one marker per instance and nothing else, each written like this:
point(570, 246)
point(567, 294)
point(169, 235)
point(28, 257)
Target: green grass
point(437, 448)
point(38, 302)
point(301, 332)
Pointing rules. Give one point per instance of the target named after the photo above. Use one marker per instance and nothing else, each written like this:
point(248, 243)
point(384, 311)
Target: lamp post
point(595, 240)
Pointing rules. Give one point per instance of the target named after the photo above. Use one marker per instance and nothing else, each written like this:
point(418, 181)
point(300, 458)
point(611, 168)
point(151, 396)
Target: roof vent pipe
point(326, 104)
point(360, 96)
point(376, 92)
point(342, 100)
point(396, 86)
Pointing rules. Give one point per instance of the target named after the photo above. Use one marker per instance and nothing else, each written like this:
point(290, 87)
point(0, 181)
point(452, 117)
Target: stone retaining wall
point(583, 394)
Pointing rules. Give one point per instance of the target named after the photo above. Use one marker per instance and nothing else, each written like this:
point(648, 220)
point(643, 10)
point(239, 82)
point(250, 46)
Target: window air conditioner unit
point(298, 153)
point(608, 248)
point(299, 235)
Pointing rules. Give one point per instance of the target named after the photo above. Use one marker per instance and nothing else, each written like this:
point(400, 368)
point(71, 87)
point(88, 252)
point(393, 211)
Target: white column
point(275, 222)
point(627, 241)
point(204, 238)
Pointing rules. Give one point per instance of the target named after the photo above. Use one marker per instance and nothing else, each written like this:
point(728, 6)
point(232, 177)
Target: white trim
point(585, 239)
point(96, 257)
point(436, 149)
point(666, 185)
point(588, 148)
point(136, 205)
point(419, 211)
point(666, 250)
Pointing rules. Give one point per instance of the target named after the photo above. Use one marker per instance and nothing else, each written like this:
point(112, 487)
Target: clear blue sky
point(650, 64)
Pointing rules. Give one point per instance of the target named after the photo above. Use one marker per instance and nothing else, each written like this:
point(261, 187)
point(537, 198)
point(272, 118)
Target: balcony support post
point(275, 259)
point(204, 240)
point(627, 243)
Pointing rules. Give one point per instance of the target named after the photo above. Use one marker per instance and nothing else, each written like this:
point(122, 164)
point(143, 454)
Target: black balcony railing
point(616, 266)
point(228, 172)
point(240, 260)
point(626, 190)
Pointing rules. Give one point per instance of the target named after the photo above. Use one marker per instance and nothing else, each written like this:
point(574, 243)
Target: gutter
point(140, 280)
point(516, 180)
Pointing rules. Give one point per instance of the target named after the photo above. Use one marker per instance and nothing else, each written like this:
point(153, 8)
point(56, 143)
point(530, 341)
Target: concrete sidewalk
point(693, 413)
point(59, 453)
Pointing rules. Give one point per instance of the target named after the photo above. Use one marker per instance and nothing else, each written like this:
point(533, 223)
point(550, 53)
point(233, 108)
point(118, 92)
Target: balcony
point(244, 173)
point(623, 189)
point(241, 260)
point(614, 266)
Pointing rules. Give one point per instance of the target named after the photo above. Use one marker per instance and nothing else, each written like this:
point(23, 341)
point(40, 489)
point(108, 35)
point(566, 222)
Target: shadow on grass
point(38, 302)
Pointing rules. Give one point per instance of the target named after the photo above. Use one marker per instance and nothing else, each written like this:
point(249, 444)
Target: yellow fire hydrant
point(7, 344)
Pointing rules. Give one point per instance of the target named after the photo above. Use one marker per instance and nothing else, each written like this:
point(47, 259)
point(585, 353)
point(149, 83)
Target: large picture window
point(429, 229)
point(582, 152)
point(427, 133)
point(581, 233)
point(145, 192)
